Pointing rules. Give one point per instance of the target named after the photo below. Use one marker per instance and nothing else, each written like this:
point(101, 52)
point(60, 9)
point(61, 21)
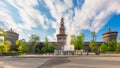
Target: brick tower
point(110, 35)
point(61, 37)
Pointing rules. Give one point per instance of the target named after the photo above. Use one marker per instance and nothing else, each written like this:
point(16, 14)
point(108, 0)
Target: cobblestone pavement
point(61, 62)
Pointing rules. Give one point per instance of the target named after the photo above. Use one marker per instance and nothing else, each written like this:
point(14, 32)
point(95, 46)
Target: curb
point(65, 56)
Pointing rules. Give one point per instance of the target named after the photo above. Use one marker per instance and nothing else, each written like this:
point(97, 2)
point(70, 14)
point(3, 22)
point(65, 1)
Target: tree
point(7, 46)
point(44, 50)
point(38, 48)
point(2, 35)
point(46, 41)
point(51, 48)
point(3, 32)
point(103, 48)
point(4, 48)
point(93, 36)
point(112, 45)
point(48, 48)
point(34, 40)
point(118, 47)
point(46, 44)
point(1, 49)
point(1, 44)
point(93, 45)
point(1, 41)
point(22, 46)
point(77, 41)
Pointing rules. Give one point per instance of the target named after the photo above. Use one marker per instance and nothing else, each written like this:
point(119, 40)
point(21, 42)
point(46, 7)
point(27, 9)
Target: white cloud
point(58, 10)
point(93, 15)
point(30, 17)
point(51, 38)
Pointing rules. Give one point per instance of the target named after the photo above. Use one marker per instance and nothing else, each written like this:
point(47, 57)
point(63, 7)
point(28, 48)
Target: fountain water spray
point(68, 48)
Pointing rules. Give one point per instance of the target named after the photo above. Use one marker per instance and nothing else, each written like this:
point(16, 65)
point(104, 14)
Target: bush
point(14, 53)
point(10, 53)
point(118, 48)
point(51, 48)
point(48, 49)
point(103, 48)
point(112, 45)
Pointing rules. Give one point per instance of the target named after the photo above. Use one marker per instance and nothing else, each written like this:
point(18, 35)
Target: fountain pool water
point(68, 48)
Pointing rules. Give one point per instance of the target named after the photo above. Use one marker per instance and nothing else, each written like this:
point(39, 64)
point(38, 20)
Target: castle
point(61, 38)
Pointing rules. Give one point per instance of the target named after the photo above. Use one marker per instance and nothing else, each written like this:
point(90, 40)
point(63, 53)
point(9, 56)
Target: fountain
point(68, 48)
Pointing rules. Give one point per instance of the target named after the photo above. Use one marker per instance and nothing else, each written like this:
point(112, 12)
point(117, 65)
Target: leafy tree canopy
point(77, 41)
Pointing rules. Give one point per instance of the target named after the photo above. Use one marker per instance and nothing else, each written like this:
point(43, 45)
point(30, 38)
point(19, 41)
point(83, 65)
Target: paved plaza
point(60, 62)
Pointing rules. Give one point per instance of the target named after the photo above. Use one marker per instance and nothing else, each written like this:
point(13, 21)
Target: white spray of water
point(68, 46)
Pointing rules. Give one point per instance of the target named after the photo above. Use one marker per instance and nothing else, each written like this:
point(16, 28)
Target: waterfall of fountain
point(68, 48)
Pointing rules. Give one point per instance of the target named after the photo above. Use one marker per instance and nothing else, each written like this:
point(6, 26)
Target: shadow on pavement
point(53, 62)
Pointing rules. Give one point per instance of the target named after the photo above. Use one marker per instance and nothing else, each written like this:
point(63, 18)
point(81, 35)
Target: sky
point(42, 17)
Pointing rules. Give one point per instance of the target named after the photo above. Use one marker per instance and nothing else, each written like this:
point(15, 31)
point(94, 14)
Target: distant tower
point(110, 35)
point(61, 37)
point(12, 37)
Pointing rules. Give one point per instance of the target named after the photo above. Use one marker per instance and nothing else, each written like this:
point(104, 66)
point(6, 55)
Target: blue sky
point(42, 17)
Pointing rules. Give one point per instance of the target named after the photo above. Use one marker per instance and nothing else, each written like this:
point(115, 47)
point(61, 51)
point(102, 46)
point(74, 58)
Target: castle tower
point(110, 35)
point(61, 37)
point(12, 36)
